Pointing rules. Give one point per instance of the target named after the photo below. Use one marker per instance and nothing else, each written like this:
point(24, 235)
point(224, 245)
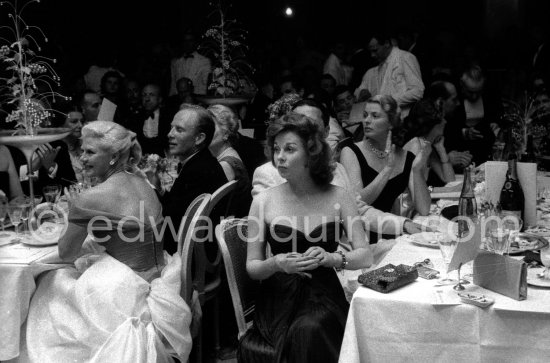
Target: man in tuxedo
point(192, 131)
point(154, 122)
point(191, 65)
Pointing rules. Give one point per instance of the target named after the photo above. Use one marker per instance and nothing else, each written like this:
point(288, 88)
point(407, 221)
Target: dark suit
point(155, 145)
point(200, 174)
point(65, 175)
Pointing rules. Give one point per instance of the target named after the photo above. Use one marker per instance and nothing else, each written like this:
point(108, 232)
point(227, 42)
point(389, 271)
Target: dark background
point(81, 31)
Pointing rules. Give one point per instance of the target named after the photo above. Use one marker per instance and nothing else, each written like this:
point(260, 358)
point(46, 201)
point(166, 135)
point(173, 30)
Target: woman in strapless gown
point(120, 302)
point(301, 309)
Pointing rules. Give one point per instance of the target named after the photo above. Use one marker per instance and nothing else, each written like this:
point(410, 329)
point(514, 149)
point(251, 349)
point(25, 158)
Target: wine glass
point(50, 193)
point(15, 212)
point(513, 225)
point(498, 239)
point(25, 212)
point(545, 259)
point(447, 247)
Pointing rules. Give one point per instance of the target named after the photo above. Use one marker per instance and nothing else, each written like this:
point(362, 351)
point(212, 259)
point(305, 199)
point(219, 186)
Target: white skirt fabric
point(102, 311)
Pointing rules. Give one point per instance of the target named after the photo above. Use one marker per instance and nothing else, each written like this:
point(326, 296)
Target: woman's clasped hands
point(298, 263)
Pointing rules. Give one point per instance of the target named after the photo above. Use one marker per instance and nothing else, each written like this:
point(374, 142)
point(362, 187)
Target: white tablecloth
point(17, 285)
point(407, 325)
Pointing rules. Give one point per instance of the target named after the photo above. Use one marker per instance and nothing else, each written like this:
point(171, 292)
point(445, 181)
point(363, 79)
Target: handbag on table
point(388, 278)
point(501, 274)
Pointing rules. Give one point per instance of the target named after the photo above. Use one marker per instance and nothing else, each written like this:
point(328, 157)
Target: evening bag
point(388, 278)
point(501, 274)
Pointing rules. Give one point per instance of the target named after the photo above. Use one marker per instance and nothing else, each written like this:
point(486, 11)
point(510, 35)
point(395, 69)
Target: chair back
point(203, 264)
point(195, 217)
point(339, 146)
point(231, 235)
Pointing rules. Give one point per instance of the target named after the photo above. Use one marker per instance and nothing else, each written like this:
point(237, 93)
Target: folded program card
point(501, 274)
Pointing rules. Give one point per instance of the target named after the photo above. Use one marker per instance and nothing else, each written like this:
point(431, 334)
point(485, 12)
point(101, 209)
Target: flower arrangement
point(224, 44)
point(282, 106)
point(154, 163)
point(26, 72)
point(522, 119)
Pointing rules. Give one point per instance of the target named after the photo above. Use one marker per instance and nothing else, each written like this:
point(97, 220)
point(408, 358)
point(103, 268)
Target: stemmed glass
point(447, 247)
point(512, 226)
point(25, 212)
point(3, 210)
point(15, 211)
point(545, 259)
point(50, 193)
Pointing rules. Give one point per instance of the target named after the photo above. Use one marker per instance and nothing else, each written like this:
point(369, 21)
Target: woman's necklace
point(379, 154)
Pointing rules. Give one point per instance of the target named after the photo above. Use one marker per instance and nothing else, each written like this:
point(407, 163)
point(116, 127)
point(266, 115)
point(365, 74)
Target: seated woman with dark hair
point(380, 170)
point(120, 301)
point(301, 309)
point(425, 124)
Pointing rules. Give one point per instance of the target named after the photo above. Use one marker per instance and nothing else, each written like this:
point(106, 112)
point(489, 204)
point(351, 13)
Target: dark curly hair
point(320, 164)
point(422, 118)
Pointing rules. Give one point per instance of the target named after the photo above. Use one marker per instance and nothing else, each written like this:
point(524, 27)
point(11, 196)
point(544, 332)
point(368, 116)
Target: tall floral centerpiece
point(224, 44)
point(24, 72)
point(522, 119)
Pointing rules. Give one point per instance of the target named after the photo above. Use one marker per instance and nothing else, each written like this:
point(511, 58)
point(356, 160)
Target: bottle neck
point(512, 169)
point(467, 188)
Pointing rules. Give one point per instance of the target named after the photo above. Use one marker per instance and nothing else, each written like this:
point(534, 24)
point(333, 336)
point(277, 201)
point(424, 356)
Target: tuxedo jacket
point(200, 174)
point(157, 144)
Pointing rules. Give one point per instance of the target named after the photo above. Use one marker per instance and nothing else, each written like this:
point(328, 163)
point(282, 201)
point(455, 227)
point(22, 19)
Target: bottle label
point(508, 185)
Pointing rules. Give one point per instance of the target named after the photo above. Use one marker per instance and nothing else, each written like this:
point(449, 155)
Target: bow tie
point(190, 55)
point(150, 115)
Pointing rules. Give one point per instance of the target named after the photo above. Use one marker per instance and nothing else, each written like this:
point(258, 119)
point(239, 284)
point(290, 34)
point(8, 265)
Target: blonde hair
point(114, 138)
point(226, 120)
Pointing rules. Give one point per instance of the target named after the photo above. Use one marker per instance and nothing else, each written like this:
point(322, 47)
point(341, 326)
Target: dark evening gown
point(394, 187)
point(5, 183)
point(298, 319)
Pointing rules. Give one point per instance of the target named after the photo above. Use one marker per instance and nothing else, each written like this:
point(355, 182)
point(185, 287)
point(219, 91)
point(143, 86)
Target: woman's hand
point(390, 150)
point(291, 264)
point(324, 258)
point(421, 159)
point(47, 155)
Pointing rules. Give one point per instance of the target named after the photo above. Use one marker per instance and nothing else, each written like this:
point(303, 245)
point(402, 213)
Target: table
point(407, 324)
point(17, 285)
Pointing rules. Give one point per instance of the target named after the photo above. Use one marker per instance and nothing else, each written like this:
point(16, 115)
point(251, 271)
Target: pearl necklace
point(379, 154)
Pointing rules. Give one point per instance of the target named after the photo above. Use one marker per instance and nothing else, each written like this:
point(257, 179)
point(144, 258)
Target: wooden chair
point(203, 266)
point(194, 216)
point(231, 235)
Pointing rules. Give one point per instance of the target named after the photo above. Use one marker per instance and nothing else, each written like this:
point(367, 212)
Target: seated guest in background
point(112, 89)
point(90, 103)
point(291, 84)
point(184, 94)
point(425, 123)
point(379, 170)
point(226, 134)
point(475, 118)
point(301, 310)
point(154, 122)
point(101, 308)
point(132, 101)
point(343, 103)
point(257, 114)
point(59, 161)
point(9, 178)
point(192, 131)
point(443, 92)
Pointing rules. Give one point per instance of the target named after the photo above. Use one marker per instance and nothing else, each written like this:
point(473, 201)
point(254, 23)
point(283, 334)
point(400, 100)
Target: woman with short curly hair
point(301, 309)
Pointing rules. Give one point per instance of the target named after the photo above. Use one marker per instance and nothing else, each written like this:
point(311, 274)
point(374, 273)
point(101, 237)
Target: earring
point(112, 162)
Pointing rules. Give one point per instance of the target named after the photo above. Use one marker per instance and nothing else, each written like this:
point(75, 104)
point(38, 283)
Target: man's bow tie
point(150, 115)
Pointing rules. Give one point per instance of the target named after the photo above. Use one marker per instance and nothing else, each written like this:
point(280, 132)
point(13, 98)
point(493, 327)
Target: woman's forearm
point(358, 258)
point(372, 191)
point(261, 269)
point(420, 194)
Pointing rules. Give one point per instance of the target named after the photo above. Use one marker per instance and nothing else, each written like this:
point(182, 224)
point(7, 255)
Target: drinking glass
point(25, 212)
point(545, 259)
point(447, 247)
point(15, 211)
point(3, 210)
point(50, 193)
point(498, 240)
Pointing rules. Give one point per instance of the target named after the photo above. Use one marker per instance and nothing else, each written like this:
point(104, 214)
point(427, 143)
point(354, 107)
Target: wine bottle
point(467, 205)
point(512, 200)
point(529, 155)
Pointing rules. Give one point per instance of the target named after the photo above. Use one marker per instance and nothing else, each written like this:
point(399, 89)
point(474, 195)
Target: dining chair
point(206, 271)
point(231, 235)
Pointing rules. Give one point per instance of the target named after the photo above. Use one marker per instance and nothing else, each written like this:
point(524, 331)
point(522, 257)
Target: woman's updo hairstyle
point(114, 138)
point(227, 121)
point(320, 163)
point(389, 105)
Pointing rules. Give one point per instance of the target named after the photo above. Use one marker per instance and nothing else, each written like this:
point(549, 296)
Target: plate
point(539, 231)
point(47, 234)
point(7, 237)
point(426, 239)
point(528, 242)
point(534, 280)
